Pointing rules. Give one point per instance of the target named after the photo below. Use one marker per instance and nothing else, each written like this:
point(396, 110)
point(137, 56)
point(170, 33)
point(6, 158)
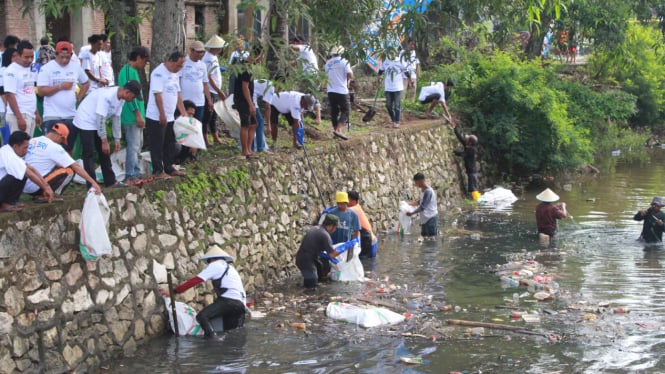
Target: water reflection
point(599, 260)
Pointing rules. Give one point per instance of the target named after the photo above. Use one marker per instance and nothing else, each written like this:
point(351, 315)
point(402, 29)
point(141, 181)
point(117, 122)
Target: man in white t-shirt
point(213, 47)
point(393, 69)
point(14, 173)
point(19, 85)
point(194, 80)
point(57, 82)
point(230, 294)
point(90, 125)
point(264, 90)
point(412, 64)
point(92, 63)
point(47, 155)
point(107, 60)
point(291, 104)
point(164, 98)
point(339, 74)
point(306, 56)
point(435, 94)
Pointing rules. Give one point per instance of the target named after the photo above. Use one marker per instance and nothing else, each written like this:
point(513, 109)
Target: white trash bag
point(229, 116)
point(405, 222)
point(342, 270)
point(94, 226)
point(189, 132)
point(365, 317)
point(186, 315)
point(499, 198)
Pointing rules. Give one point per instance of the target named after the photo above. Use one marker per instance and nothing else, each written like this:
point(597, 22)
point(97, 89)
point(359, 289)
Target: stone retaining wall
point(60, 313)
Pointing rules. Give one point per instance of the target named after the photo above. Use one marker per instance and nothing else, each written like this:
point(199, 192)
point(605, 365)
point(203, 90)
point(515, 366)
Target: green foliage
point(637, 65)
point(199, 186)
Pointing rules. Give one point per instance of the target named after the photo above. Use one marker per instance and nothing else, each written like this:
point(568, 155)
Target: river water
point(598, 261)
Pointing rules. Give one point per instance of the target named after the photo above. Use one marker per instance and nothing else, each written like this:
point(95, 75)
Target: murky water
point(599, 260)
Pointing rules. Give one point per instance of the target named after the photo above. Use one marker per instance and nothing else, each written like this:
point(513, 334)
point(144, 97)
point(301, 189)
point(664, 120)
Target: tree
point(168, 30)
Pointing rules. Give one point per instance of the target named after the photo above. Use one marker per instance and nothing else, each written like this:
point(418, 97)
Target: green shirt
point(128, 118)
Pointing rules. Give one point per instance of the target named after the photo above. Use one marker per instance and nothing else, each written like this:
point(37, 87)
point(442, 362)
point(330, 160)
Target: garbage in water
point(498, 198)
point(363, 316)
point(404, 222)
point(412, 360)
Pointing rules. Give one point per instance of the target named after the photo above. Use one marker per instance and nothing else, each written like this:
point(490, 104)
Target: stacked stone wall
point(61, 313)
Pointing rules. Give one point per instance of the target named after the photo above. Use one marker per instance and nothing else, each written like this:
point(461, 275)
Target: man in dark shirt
point(243, 102)
point(547, 214)
point(652, 228)
point(313, 243)
point(470, 144)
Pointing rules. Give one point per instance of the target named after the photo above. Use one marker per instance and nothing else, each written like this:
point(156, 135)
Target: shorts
point(247, 119)
point(429, 228)
point(431, 98)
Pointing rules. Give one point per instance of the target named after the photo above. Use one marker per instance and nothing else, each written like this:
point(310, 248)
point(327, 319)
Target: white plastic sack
point(189, 132)
point(229, 116)
point(94, 226)
point(405, 222)
point(365, 317)
point(186, 316)
point(347, 271)
point(498, 198)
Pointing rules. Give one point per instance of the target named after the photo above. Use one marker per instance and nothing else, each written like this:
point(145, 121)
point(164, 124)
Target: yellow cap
point(341, 197)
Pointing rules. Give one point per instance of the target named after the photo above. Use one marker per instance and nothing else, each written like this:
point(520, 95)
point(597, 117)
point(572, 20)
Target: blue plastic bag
point(300, 134)
point(6, 132)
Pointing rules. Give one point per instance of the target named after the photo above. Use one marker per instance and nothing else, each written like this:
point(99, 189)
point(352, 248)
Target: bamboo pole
point(169, 280)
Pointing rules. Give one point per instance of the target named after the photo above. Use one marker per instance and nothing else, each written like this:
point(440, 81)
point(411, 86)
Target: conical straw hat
point(216, 42)
point(547, 196)
point(216, 252)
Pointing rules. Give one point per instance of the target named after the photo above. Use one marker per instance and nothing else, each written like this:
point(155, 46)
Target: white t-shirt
point(308, 59)
point(236, 56)
point(288, 102)
point(263, 89)
point(337, 69)
point(107, 67)
point(104, 102)
point(168, 84)
point(231, 281)
point(192, 77)
point(410, 62)
point(93, 62)
point(212, 66)
point(21, 82)
point(84, 50)
point(10, 163)
point(436, 88)
point(62, 104)
point(392, 70)
point(2, 72)
point(44, 154)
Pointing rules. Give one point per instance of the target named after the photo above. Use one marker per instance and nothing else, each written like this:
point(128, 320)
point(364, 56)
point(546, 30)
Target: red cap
point(64, 46)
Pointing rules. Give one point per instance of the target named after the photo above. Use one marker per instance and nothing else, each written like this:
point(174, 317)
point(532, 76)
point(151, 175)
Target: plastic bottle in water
point(516, 298)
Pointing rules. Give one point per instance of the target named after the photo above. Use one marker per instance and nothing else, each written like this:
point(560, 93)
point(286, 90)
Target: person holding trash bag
point(367, 238)
point(427, 206)
point(308, 259)
point(547, 214)
point(231, 297)
point(652, 228)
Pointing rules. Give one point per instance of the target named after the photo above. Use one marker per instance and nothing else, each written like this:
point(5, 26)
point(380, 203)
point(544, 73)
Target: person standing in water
point(547, 213)
point(652, 228)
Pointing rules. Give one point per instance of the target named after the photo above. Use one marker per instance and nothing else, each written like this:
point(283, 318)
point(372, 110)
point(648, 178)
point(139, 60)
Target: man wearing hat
point(231, 298)
point(47, 155)
point(349, 225)
point(316, 240)
point(547, 213)
point(213, 47)
point(57, 82)
point(291, 104)
point(367, 238)
point(468, 154)
point(339, 74)
point(653, 217)
point(90, 124)
point(194, 80)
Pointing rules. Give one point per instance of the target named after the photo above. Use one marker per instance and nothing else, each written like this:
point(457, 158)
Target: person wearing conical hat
point(231, 298)
point(213, 48)
point(316, 240)
point(652, 228)
point(547, 213)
